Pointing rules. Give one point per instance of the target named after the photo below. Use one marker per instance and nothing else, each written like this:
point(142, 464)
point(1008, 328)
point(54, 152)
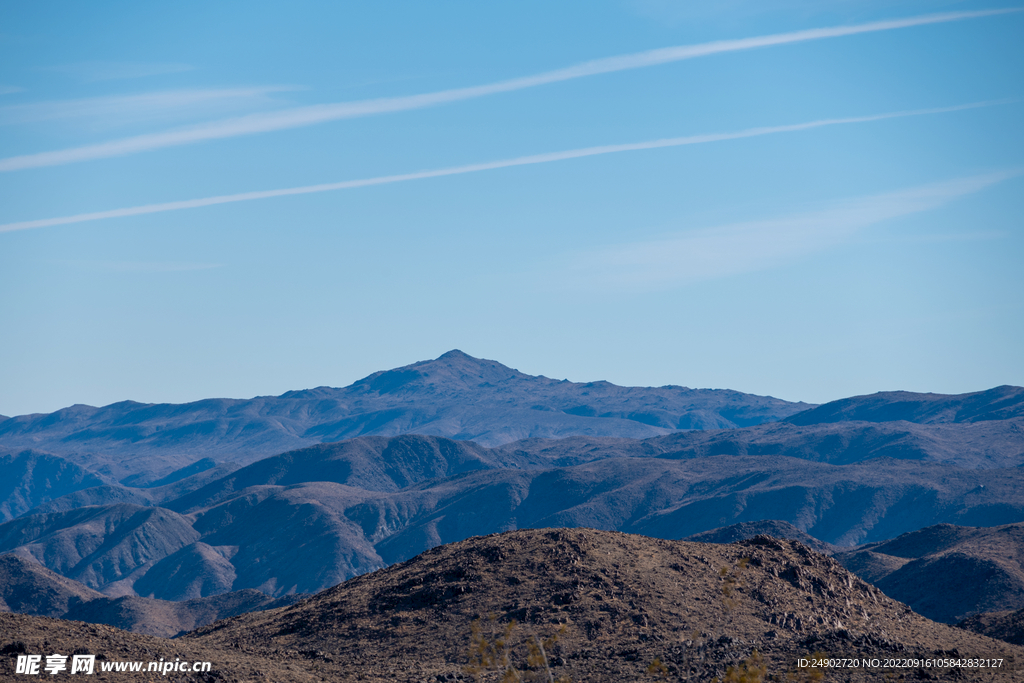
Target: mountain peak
point(460, 359)
point(457, 354)
point(456, 368)
point(454, 395)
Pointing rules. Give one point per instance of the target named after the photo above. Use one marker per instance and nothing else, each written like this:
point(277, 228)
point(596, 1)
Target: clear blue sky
point(864, 252)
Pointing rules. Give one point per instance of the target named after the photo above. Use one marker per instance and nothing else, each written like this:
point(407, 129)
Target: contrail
point(305, 116)
point(474, 168)
point(723, 250)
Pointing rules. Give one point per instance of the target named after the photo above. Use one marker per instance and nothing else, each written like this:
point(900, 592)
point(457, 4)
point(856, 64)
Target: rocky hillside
point(616, 604)
point(608, 606)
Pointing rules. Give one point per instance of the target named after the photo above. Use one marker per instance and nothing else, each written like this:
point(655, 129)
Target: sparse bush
point(657, 668)
point(499, 650)
point(732, 581)
point(751, 670)
point(490, 652)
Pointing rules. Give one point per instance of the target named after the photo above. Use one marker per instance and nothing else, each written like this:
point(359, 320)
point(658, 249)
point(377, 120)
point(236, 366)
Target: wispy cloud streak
point(133, 107)
point(305, 116)
point(727, 250)
point(473, 168)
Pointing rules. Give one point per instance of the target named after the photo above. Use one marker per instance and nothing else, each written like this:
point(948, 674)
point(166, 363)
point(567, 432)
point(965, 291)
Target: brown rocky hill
point(617, 604)
point(947, 572)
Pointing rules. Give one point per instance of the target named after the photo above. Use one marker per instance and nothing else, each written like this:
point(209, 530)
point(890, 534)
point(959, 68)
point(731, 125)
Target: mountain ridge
point(252, 528)
point(947, 572)
point(27, 587)
point(455, 395)
point(998, 403)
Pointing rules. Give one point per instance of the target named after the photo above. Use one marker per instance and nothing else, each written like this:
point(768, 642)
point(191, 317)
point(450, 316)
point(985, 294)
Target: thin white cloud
point(305, 116)
point(10, 89)
point(473, 168)
point(123, 108)
point(96, 71)
point(745, 247)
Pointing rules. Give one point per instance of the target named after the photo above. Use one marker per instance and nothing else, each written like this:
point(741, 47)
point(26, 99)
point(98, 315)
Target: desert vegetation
point(511, 654)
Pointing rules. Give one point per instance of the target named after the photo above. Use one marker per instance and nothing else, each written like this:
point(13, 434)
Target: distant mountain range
point(308, 519)
point(29, 588)
point(1000, 403)
point(456, 396)
point(1004, 625)
point(192, 502)
point(765, 527)
point(948, 572)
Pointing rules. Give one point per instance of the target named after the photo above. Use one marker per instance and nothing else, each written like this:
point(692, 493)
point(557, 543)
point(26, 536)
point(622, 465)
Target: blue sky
point(807, 199)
